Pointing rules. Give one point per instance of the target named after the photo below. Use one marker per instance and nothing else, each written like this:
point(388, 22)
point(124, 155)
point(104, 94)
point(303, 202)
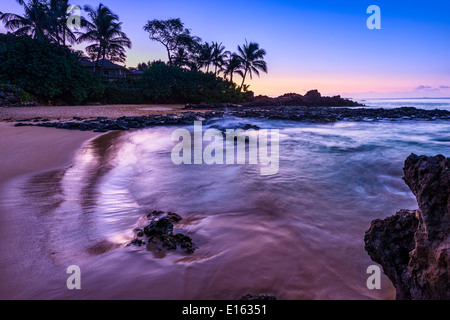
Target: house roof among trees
point(107, 64)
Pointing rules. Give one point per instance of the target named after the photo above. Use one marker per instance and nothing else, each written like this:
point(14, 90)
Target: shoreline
point(125, 117)
point(28, 152)
point(34, 150)
point(86, 111)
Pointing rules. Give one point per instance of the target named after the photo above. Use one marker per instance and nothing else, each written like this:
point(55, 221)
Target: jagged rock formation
point(312, 98)
point(158, 234)
point(413, 246)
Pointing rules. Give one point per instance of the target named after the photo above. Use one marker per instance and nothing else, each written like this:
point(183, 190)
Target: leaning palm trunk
point(243, 79)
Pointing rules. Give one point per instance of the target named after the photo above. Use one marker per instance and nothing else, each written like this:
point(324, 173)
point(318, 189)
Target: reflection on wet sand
point(296, 235)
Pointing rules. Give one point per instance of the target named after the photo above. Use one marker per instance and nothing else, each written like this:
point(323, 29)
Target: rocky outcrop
point(11, 96)
point(251, 297)
point(312, 98)
point(291, 113)
point(413, 246)
point(158, 234)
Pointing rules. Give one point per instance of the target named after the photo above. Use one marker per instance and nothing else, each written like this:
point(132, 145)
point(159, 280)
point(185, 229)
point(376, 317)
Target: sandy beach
point(33, 149)
point(25, 152)
point(88, 111)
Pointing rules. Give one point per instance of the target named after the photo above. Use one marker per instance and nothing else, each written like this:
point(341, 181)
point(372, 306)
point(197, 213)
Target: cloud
point(422, 88)
point(430, 88)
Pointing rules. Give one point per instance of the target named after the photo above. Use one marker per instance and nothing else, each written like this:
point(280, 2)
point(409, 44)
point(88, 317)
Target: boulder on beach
point(413, 246)
point(158, 234)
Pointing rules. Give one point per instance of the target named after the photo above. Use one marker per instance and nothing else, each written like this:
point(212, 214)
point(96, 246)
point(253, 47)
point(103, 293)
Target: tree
point(205, 55)
point(164, 83)
point(34, 22)
point(142, 66)
point(253, 60)
point(173, 36)
point(218, 56)
point(57, 15)
point(233, 64)
point(181, 58)
point(105, 31)
point(41, 19)
point(46, 70)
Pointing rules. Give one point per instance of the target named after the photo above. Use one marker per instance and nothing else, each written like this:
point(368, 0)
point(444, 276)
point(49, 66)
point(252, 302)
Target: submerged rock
point(158, 234)
point(413, 246)
point(258, 297)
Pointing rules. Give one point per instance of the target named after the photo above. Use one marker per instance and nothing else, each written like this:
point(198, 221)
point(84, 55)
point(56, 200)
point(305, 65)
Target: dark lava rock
point(159, 227)
point(243, 126)
point(313, 94)
point(185, 242)
point(159, 232)
point(292, 107)
point(173, 217)
point(312, 98)
point(258, 297)
point(413, 246)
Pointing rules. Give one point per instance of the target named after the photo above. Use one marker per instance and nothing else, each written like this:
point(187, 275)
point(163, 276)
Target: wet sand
point(26, 151)
point(45, 234)
point(32, 149)
point(43, 237)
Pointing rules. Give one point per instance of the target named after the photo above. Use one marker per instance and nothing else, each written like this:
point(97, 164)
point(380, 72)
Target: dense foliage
point(125, 91)
point(162, 83)
point(36, 59)
point(46, 70)
point(51, 72)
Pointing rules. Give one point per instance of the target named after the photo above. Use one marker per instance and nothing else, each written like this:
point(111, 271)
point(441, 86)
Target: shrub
point(162, 83)
point(123, 92)
point(46, 70)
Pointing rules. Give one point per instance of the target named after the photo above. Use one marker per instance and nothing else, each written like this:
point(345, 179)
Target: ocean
point(420, 103)
point(296, 234)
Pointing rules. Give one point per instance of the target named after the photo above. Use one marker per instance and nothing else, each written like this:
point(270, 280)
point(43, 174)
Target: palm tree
point(205, 55)
point(57, 22)
point(41, 19)
point(105, 31)
point(233, 65)
point(181, 58)
point(34, 22)
point(253, 60)
point(218, 56)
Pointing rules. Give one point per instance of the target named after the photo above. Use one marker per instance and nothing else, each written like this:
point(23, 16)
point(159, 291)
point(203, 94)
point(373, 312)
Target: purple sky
point(322, 45)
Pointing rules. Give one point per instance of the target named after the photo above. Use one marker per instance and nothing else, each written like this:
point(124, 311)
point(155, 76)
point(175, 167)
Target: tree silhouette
point(34, 22)
point(233, 64)
point(253, 60)
point(172, 35)
point(105, 31)
point(218, 57)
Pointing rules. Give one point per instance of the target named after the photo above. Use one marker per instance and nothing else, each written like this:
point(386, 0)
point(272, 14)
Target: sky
point(321, 44)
